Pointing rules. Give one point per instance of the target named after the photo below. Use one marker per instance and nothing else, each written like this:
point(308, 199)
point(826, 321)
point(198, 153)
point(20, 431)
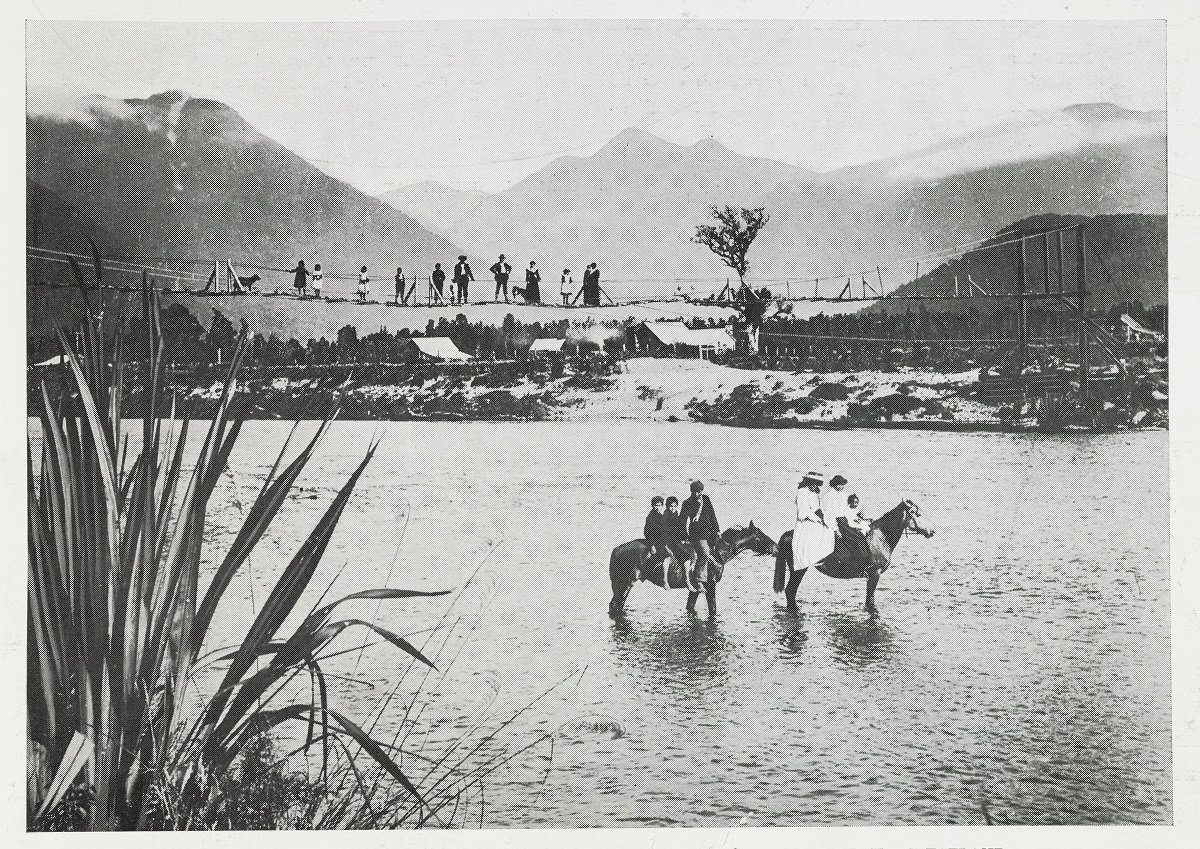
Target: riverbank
point(663, 390)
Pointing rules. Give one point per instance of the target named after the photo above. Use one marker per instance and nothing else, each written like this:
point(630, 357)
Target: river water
point(1020, 661)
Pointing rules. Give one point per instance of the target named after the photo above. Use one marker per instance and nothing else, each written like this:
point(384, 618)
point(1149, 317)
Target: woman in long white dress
point(812, 540)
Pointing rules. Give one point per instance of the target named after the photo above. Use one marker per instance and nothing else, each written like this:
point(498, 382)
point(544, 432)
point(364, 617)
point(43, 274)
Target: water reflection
point(790, 633)
point(860, 640)
point(683, 654)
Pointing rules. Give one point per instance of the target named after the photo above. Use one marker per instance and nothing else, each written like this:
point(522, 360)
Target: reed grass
point(117, 618)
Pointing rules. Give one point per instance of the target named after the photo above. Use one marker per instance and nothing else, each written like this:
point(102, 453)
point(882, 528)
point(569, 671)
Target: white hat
point(815, 476)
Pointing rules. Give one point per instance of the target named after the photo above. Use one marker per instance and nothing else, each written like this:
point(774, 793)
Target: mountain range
point(435, 206)
point(634, 204)
point(176, 176)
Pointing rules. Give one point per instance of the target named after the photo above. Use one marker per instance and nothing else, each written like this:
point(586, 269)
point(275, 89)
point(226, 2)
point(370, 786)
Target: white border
point(1184, 180)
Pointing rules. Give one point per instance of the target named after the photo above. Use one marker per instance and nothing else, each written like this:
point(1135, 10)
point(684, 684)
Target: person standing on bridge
point(301, 278)
point(364, 285)
point(401, 288)
point(316, 281)
point(591, 286)
point(500, 270)
point(436, 281)
point(533, 285)
point(565, 285)
point(462, 278)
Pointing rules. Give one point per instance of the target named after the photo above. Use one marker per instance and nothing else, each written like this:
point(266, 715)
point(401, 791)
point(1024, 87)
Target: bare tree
point(731, 237)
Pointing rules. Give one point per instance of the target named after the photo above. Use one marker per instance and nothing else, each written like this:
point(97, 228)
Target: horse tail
point(783, 560)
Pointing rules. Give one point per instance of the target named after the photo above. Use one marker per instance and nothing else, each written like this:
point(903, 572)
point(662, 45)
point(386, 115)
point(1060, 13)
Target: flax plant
point(117, 616)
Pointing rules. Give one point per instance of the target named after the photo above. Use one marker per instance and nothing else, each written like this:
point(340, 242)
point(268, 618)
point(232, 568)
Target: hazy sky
point(483, 104)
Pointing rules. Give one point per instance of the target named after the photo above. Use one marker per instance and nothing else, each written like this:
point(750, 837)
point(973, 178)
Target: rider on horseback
point(851, 542)
point(655, 531)
point(702, 530)
point(676, 530)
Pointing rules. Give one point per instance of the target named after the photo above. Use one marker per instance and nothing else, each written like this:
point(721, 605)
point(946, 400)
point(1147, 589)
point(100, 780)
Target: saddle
point(848, 560)
point(671, 573)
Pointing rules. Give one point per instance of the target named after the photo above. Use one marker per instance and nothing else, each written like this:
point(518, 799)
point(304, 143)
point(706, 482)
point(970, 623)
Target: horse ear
point(752, 525)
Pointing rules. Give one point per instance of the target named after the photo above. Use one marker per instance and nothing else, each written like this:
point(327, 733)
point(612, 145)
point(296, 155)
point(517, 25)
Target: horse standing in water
point(882, 540)
point(627, 564)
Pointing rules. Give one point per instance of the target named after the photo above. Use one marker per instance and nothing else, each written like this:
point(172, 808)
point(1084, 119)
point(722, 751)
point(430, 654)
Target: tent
point(1135, 327)
point(546, 346)
point(436, 348)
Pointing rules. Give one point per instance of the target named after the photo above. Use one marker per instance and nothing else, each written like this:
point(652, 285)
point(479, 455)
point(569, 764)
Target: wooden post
point(1060, 261)
point(879, 274)
point(1046, 260)
point(1081, 286)
point(788, 287)
point(1022, 340)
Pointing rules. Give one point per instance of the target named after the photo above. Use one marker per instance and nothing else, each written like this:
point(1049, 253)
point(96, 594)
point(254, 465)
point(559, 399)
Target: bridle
point(910, 527)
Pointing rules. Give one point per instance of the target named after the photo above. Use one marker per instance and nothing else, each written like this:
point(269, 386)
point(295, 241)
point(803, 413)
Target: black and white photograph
point(717, 421)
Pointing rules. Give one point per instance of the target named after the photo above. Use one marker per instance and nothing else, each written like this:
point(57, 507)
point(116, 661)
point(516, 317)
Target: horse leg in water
point(620, 591)
point(622, 573)
point(872, 581)
point(710, 595)
point(793, 586)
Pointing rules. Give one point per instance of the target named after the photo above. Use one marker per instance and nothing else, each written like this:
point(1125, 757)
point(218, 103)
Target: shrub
point(829, 392)
point(116, 619)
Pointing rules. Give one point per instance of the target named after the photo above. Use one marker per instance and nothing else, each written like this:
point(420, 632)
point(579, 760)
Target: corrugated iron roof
point(678, 333)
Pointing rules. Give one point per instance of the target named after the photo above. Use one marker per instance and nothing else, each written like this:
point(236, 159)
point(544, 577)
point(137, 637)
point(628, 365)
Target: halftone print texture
point(440, 335)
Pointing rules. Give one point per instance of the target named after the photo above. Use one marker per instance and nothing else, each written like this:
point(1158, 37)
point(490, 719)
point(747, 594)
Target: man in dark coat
point(436, 281)
point(462, 277)
point(591, 286)
point(500, 270)
point(702, 529)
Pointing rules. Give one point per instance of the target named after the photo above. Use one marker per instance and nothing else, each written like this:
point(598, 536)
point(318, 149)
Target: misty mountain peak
point(633, 140)
point(710, 147)
point(167, 99)
point(1095, 112)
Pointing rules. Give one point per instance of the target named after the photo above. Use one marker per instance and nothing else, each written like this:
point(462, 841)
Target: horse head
point(912, 513)
point(751, 537)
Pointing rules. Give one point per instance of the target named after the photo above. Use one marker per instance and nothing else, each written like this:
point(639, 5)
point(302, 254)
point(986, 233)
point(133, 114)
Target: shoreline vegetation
point(909, 369)
point(669, 390)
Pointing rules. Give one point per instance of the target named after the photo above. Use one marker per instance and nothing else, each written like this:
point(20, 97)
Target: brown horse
point(882, 540)
point(627, 565)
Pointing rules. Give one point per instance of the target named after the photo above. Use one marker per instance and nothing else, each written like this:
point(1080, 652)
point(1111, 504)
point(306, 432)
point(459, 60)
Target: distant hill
point(1126, 261)
point(51, 222)
point(1095, 159)
point(631, 207)
point(634, 205)
point(435, 206)
point(179, 176)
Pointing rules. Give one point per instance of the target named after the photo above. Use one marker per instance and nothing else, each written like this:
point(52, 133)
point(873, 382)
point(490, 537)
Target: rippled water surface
point(1020, 660)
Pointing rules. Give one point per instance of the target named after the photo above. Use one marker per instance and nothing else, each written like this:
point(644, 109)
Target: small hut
point(676, 339)
point(433, 349)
